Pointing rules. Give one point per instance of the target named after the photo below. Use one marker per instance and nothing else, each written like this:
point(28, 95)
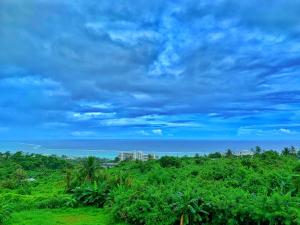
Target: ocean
point(111, 148)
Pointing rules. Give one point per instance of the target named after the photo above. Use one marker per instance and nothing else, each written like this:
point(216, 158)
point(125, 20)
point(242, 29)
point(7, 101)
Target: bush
point(215, 155)
point(142, 205)
point(19, 202)
point(5, 212)
point(169, 161)
point(53, 202)
point(91, 195)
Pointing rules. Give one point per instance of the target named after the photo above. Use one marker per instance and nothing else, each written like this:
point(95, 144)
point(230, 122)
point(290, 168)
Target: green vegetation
point(79, 216)
point(216, 189)
point(33, 191)
point(5, 212)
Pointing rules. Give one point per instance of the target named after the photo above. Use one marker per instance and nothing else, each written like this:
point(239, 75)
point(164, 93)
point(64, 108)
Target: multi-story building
point(136, 155)
point(244, 153)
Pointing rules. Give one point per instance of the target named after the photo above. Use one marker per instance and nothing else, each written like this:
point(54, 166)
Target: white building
point(243, 153)
point(136, 155)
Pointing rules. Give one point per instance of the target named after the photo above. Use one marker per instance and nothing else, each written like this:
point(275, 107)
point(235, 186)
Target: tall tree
point(258, 150)
point(88, 170)
point(285, 151)
point(228, 153)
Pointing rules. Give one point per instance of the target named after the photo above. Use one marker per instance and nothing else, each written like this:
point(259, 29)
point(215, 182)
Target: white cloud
point(213, 114)
point(96, 105)
point(157, 132)
point(122, 31)
point(285, 131)
point(151, 120)
point(248, 131)
point(91, 115)
point(143, 132)
point(83, 133)
point(141, 96)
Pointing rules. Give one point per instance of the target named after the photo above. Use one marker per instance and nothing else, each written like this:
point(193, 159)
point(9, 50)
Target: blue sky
point(210, 69)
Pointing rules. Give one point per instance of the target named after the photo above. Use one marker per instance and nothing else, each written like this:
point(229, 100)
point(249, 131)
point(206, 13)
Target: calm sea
point(111, 148)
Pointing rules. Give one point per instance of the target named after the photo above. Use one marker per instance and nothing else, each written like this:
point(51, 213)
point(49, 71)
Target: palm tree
point(293, 151)
point(89, 168)
point(69, 180)
point(285, 151)
point(289, 151)
point(258, 150)
point(298, 154)
point(189, 208)
point(228, 153)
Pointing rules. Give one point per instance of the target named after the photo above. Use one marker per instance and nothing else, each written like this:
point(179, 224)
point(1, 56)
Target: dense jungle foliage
point(214, 189)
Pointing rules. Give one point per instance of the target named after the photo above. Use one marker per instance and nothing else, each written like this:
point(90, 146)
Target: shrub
point(190, 208)
point(5, 212)
point(297, 168)
point(169, 161)
point(53, 202)
point(142, 205)
point(215, 155)
point(91, 195)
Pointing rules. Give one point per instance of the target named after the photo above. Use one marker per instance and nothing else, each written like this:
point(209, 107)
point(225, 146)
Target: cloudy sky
point(210, 69)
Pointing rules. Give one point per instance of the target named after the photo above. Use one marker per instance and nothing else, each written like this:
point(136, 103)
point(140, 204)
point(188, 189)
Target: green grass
point(79, 216)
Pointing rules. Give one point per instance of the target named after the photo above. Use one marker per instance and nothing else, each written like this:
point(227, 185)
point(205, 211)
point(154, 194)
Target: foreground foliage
point(5, 212)
point(33, 191)
point(260, 189)
point(216, 189)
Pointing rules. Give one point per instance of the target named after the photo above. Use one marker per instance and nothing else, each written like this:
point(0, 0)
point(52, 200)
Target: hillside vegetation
point(215, 189)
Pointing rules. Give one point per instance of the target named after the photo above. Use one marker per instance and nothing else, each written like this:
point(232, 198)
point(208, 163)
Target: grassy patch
point(80, 216)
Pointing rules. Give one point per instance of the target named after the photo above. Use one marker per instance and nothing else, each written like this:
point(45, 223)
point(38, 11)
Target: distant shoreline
point(111, 148)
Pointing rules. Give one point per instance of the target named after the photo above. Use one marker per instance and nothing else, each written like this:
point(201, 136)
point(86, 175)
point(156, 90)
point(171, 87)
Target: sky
point(209, 69)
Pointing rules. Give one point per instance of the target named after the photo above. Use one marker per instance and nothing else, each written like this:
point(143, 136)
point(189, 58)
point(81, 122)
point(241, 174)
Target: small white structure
point(136, 155)
point(109, 165)
point(243, 153)
point(30, 179)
